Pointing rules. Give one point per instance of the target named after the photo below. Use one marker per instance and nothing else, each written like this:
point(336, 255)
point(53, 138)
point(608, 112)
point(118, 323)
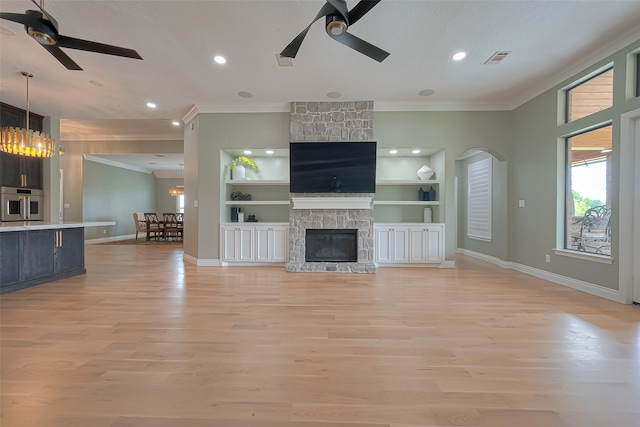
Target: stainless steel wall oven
point(21, 204)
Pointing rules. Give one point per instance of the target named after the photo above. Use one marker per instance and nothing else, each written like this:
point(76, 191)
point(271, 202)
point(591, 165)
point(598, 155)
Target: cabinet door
point(383, 239)
point(10, 171)
point(10, 258)
point(229, 245)
point(70, 252)
point(264, 243)
point(434, 244)
point(400, 244)
point(39, 254)
point(418, 245)
point(280, 244)
point(32, 170)
point(245, 243)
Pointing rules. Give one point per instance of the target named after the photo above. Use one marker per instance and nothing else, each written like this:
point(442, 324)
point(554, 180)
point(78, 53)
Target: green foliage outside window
point(582, 204)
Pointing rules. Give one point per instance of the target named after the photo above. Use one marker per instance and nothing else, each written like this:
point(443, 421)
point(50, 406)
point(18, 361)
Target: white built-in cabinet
point(398, 244)
point(265, 243)
point(401, 238)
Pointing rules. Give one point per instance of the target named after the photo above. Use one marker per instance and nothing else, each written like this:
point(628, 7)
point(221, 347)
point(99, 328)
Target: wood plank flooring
point(145, 340)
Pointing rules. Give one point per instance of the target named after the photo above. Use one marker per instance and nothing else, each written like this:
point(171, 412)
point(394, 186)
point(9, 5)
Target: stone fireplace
point(331, 214)
point(338, 213)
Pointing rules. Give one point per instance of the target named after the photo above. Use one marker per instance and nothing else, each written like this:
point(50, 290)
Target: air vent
point(283, 61)
point(497, 57)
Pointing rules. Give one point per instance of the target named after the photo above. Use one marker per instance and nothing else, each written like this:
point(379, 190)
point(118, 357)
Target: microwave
point(21, 204)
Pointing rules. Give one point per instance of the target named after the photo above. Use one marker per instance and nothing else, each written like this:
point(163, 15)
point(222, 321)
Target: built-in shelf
point(405, 203)
point(258, 181)
point(407, 182)
point(256, 202)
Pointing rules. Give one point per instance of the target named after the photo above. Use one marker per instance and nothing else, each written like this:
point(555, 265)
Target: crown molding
point(265, 107)
point(116, 164)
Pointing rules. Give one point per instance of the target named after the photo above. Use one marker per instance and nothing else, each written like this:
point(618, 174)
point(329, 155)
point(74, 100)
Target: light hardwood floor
point(146, 340)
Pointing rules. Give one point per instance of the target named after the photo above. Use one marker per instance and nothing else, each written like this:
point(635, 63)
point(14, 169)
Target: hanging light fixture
point(177, 190)
point(26, 142)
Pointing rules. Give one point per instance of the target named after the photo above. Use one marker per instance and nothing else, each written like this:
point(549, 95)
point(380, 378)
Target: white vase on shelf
point(238, 172)
point(425, 172)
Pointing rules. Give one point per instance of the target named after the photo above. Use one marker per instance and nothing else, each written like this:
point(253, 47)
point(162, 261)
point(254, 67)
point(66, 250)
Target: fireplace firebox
point(331, 245)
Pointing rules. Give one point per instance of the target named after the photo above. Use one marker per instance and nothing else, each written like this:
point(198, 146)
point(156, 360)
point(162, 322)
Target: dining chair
point(154, 226)
point(171, 228)
point(139, 221)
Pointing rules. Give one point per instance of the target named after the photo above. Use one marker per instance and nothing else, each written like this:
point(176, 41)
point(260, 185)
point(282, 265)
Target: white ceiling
point(548, 40)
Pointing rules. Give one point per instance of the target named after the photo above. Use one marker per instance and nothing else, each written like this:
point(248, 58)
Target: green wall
point(112, 194)
point(536, 174)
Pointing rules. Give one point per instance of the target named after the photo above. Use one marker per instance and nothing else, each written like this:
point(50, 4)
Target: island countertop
point(44, 225)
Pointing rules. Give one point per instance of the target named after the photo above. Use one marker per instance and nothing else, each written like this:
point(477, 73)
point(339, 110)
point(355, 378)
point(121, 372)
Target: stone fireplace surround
point(334, 213)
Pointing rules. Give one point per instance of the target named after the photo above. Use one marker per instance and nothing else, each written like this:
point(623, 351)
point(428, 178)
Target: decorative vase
point(431, 194)
point(421, 194)
point(238, 172)
point(425, 172)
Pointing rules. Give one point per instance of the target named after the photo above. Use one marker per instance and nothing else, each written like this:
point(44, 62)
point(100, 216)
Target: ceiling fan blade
point(73, 43)
point(46, 15)
point(362, 46)
point(292, 48)
point(341, 7)
point(62, 57)
point(20, 18)
point(359, 10)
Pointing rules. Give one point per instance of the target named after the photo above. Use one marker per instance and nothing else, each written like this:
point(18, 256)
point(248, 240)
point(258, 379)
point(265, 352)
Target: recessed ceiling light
point(426, 92)
point(334, 95)
point(7, 32)
point(416, 151)
point(220, 59)
point(175, 123)
point(151, 105)
point(269, 151)
point(247, 151)
point(459, 56)
point(96, 83)
point(393, 151)
point(245, 94)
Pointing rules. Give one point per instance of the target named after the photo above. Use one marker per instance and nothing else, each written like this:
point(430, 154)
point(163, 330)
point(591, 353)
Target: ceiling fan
point(44, 29)
point(338, 20)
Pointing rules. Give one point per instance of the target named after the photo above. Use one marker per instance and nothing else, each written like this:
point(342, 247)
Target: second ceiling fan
point(338, 21)
point(40, 25)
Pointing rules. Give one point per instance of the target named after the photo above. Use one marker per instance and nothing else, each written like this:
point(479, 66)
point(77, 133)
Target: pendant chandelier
point(26, 142)
point(177, 190)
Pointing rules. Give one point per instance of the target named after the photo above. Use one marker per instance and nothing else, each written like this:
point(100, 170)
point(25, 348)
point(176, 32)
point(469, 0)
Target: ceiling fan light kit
point(43, 27)
point(26, 142)
point(338, 21)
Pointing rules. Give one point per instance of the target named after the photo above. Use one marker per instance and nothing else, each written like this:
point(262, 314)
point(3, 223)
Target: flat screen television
point(332, 167)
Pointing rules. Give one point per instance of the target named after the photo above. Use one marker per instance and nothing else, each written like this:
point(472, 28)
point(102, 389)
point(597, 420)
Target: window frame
point(580, 82)
point(563, 240)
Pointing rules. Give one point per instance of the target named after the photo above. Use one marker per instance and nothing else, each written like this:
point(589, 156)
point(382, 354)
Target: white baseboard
point(201, 262)
point(590, 288)
point(110, 239)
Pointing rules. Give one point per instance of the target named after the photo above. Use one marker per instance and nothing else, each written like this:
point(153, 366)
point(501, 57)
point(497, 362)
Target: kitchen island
point(37, 252)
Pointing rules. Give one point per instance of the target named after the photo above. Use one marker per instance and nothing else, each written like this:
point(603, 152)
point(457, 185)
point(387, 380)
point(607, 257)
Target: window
point(180, 203)
point(588, 191)
point(590, 96)
point(479, 199)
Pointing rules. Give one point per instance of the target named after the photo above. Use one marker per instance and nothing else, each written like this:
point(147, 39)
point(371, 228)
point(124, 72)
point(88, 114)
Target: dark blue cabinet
point(33, 257)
